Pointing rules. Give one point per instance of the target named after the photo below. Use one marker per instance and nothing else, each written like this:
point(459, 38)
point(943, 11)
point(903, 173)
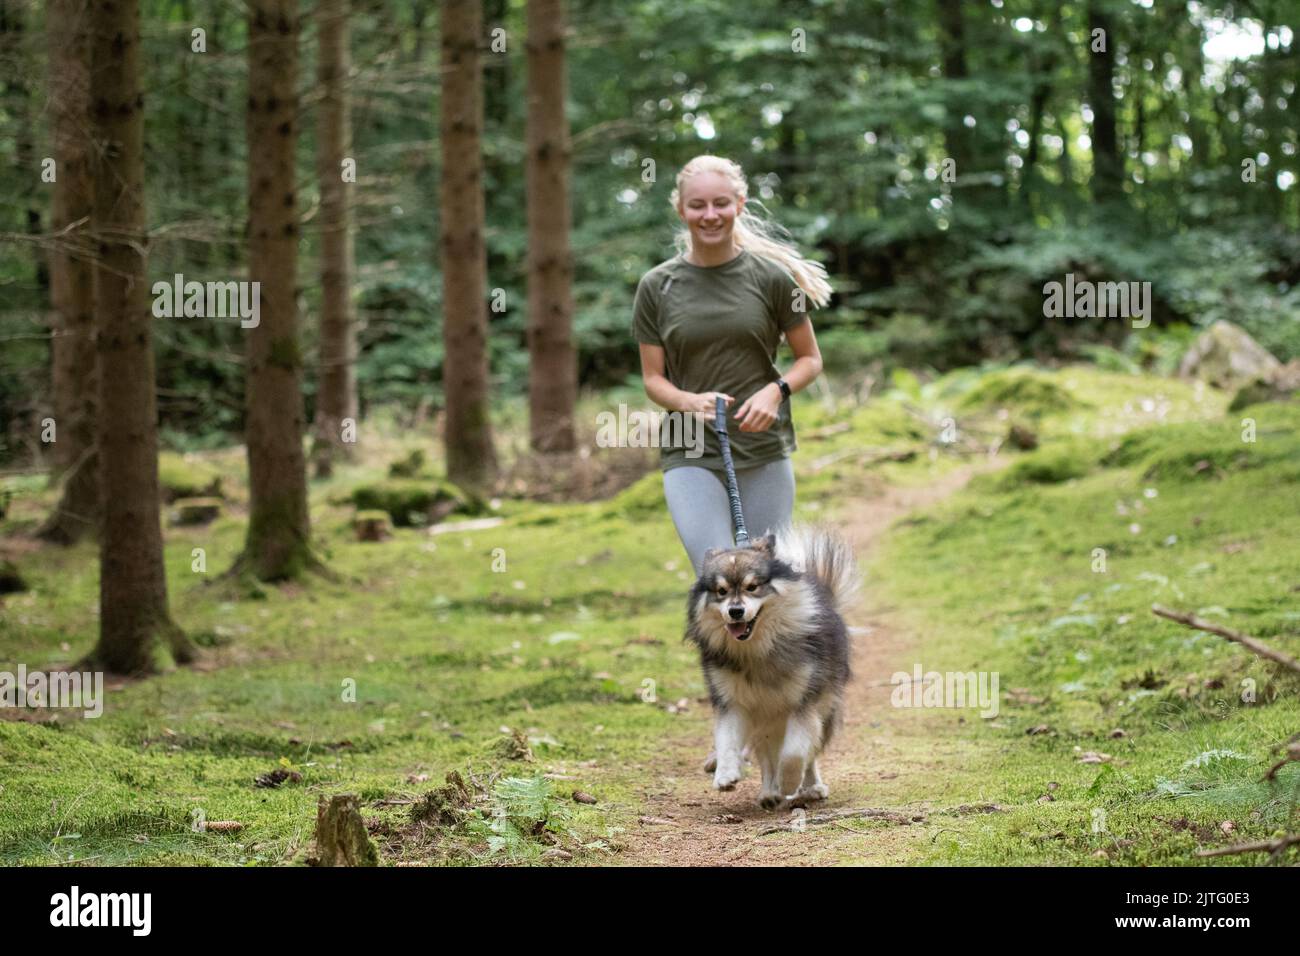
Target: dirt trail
point(688, 823)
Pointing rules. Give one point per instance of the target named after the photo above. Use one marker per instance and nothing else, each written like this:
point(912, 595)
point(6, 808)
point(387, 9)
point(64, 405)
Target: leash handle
point(733, 490)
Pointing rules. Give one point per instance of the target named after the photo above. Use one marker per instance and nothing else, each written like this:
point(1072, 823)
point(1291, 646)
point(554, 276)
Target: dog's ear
point(766, 544)
point(711, 554)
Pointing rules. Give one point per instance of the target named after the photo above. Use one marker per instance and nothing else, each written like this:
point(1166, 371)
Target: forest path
point(685, 822)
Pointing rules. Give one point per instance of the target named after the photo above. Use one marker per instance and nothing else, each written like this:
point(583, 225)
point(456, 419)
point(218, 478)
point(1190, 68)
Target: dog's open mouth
point(741, 630)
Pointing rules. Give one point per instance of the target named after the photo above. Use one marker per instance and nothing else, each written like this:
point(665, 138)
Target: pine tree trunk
point(952, 43)
point(336, 396)
point(17, 107)
point(1107, 164)
point(278, 544)
point(72, 290)
point(553, 372)
point(471, 459)
point(133, 586)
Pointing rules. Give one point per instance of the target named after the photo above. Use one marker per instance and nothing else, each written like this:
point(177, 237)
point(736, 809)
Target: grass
point(563, 624)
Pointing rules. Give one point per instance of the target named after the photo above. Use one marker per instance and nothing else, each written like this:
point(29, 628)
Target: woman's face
point(709, 207)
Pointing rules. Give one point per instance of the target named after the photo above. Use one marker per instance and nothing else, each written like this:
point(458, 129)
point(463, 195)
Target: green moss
point(411, 465)
point(643, 498)
point(1052, 590)
point(551, 623)
point(1197, 451)
point(1025, 392)
point(185, 476)
point(1051, 465)
point(409, 502)
point(191, 511)
point(1258, 392)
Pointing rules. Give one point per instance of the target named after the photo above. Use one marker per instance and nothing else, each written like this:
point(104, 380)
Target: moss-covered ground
point(555, 633)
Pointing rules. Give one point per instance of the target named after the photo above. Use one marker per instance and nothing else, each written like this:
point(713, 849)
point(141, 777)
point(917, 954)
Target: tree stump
point(191, 511)
point(11, 582)
point(341, 838)
point(371, 525)
point(1022, 437)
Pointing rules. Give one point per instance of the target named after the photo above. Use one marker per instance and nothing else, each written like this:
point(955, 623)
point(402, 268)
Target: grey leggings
point(697, 499)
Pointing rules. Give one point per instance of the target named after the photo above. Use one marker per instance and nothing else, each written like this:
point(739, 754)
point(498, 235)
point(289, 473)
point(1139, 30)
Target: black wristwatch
point(785, 387)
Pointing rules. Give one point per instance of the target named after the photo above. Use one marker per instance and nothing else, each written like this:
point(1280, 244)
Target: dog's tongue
point(737, 628)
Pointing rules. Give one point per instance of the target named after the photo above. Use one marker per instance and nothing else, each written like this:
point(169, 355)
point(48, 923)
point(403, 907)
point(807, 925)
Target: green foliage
point(523, 809)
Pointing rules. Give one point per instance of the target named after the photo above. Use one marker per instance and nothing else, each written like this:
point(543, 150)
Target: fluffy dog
point(767, 620)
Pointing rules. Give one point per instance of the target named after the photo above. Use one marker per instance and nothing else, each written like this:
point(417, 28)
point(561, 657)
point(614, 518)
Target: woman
point(708, 322)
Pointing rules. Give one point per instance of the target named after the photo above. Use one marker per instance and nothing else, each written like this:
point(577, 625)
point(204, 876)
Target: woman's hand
point(760, 409)
point(706, 403)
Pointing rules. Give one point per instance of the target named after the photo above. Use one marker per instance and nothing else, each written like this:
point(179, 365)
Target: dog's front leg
point(802, 734)
point(767, 747)
point(729, 731)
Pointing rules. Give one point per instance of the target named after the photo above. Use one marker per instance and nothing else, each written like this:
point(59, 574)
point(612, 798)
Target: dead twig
point(1200, 624)
point(1272, 847)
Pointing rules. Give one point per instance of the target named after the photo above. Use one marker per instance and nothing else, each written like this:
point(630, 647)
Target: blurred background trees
point(1170, 157)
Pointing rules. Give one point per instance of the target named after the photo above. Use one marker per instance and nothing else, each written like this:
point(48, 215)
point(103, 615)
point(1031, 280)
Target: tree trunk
point(553, 370)
point(72, 289)
point(336, 396)
point(1107, 163)
point(471, 459)
point(278, 544)
point(504, 190)
point(1037, 106)
point(17, 104)
point(133, 611)
point(1192, 91)
point(952, 44)
point(1064, 162)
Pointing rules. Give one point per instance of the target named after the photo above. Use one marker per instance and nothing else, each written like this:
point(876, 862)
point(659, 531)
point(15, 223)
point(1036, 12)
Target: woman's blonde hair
point(759, 236)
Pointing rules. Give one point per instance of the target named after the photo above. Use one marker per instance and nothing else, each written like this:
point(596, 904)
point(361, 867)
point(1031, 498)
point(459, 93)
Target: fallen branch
point(1200, 624)
point(1272, 847)
point(1292, 755)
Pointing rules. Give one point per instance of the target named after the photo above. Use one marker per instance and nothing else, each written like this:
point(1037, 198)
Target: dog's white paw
point(770, 800)
point(726, 778)
point(818, 791)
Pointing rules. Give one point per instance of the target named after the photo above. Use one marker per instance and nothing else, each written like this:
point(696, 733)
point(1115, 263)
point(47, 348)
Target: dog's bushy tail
point(826, 555)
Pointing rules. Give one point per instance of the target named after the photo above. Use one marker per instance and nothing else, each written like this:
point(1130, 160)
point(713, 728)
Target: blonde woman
point(708, 322)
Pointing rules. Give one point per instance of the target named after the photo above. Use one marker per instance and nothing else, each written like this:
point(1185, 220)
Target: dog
point(768, 620)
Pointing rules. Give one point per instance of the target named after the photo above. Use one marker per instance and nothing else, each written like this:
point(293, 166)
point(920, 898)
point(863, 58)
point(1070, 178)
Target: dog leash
point(733, 490)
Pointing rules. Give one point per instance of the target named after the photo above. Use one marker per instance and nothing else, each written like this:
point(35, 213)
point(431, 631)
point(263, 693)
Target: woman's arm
point(667, 395)
point(760, 410)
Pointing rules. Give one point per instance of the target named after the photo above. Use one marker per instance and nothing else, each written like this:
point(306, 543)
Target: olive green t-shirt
point(719, 327)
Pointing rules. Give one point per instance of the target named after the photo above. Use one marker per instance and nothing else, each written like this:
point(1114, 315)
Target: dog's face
point(736, 584)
